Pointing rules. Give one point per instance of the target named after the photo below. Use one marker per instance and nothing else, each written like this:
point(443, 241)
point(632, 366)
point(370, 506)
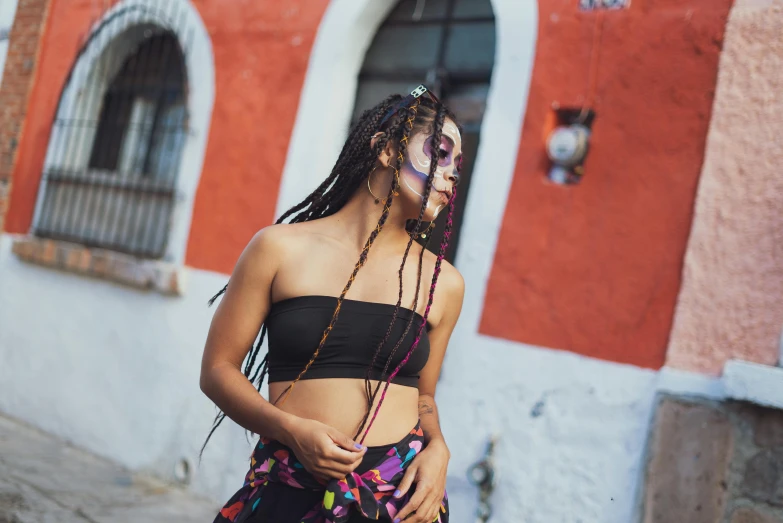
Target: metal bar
point(168, 210)
point(92, 123)
point(133, 207)
point(52, 209)
point(411, 75)
point(167, 220)
point(116, 184)
point(107, 142)
point(70, 215)
point(438, 21)
point(152, 228)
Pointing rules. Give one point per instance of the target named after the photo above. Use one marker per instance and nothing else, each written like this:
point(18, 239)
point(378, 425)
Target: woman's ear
point(387, 153)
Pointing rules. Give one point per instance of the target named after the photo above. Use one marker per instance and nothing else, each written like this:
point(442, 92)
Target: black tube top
point(295, 326)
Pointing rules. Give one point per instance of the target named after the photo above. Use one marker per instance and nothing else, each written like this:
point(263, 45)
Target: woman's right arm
point(235, 325)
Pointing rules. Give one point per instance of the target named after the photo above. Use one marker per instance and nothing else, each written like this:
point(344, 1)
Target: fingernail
point(397, 520)
point(397, 493)
point(358, 446)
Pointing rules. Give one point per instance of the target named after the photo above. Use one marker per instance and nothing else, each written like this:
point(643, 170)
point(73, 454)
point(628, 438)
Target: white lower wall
point(572, 431)
point(115, 370)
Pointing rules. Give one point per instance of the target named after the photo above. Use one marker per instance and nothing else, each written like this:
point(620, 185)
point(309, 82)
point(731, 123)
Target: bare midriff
point(342, 403)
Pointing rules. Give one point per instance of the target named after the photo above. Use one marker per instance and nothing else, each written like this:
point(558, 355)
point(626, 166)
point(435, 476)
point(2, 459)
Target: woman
point(333, 361)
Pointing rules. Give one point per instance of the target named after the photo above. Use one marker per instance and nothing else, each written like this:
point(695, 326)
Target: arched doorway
point(448, 45)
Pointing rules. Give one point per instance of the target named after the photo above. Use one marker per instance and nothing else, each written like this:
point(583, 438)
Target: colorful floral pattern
point(371, 493)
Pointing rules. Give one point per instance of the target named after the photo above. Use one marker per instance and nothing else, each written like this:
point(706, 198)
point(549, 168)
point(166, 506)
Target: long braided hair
point(351, 169)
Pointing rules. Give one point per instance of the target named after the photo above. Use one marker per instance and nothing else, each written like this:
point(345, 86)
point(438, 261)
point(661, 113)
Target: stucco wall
point(595, 268)
point(114, 370)
point(261, 52)
point(731, 303)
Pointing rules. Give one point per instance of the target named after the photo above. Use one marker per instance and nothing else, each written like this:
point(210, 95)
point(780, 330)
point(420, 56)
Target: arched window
point(450, 46)
point(114, 154)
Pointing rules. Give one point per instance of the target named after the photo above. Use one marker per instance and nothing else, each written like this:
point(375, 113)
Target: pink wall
point(731, 301)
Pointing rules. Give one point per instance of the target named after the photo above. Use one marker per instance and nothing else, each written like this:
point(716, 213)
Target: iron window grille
point(114, 155)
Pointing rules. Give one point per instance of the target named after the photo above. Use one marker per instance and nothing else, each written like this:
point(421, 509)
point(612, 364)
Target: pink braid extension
point(441, 255)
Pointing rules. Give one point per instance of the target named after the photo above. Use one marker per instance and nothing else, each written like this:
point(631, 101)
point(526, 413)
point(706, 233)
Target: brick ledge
point(163, 277)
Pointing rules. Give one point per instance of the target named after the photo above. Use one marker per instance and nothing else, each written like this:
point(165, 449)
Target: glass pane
point(370, 92)
point(404, 48)
point(471, 47)
point(473, 8)
point(428, 9)
point(166, 147)
point(137, 137)
point(468, 102)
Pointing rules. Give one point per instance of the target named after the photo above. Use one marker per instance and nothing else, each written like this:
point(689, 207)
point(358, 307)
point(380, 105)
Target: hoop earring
point(377, 200)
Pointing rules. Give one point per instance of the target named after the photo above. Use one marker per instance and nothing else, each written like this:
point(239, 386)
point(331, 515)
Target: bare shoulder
point(277, 240)
point(451, 286)
point(453, 282)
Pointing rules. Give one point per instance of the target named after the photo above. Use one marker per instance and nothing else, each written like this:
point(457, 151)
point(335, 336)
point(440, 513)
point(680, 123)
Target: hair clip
point(420, 90)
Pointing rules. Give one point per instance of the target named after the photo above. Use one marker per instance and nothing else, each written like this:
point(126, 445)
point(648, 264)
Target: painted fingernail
point(397, 520)
point(358, 446)
point(397, 493)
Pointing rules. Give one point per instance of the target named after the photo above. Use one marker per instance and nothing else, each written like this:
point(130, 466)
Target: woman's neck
point(359, 217)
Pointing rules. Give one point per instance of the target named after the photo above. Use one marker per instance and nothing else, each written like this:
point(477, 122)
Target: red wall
point(261, 55)
point(261, 52)
point(595, 268)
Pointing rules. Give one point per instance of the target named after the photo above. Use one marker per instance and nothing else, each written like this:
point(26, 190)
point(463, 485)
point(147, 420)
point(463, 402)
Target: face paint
point(418, 162)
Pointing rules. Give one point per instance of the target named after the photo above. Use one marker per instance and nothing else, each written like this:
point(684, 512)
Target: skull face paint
point(417, 165)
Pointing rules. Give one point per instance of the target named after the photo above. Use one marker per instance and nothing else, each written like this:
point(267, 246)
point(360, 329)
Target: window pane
point(471, 47)
point(370, 92)
point(468, 101)
point(472, 8)
point(137, 137)
point(167, 144)
point(404, 48)
point(429, 9)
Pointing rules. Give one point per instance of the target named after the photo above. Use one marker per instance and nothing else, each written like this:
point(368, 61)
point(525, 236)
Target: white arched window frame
point(325, 109)
point(112, 40)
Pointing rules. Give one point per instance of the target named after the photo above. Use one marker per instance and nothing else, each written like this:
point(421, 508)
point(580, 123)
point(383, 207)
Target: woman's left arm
point(428, 469)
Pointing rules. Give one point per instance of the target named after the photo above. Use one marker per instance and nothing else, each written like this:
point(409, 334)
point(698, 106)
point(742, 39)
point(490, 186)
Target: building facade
point(606, 315)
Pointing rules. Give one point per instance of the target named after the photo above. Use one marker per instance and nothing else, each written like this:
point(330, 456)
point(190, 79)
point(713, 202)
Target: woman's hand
point(428, 471)
point(324, 451)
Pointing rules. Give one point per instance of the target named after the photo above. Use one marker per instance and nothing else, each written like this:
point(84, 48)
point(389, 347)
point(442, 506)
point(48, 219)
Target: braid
point(436, 135)
point(442, 254)
point(351, 167)
point(371, 395)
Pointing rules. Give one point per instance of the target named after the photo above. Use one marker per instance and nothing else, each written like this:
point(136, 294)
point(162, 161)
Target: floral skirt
point(278, 489)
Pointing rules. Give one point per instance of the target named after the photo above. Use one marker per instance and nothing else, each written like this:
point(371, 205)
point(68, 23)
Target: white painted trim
point(327, 100)
point(753, 382)
point(194, 38)
point(684, 383)
point(328, 94)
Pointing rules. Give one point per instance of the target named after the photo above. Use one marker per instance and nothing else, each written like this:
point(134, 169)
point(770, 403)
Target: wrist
point(288, 425)
point(439, 444)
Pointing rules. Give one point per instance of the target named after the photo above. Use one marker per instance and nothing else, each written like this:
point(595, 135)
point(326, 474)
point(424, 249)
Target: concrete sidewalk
point(45, 480)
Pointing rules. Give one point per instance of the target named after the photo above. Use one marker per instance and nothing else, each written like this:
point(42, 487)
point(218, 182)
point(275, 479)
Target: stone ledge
point(753, 382)
point(154, 275)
